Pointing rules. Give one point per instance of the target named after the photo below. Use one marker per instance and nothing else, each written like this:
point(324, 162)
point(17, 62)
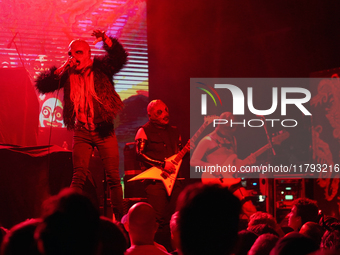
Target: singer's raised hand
point(101, 36)
point(98, 34)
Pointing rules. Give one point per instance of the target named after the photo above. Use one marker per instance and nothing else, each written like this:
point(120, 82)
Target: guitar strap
point(228, 145)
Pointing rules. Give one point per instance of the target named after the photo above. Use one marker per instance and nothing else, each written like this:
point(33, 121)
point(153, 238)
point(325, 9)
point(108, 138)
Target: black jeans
point(83, 143)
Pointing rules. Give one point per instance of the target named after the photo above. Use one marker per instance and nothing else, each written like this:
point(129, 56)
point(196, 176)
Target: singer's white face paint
point(80, 54)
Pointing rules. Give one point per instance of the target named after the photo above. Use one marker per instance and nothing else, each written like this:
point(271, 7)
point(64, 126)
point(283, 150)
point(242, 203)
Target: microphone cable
point(51, 125)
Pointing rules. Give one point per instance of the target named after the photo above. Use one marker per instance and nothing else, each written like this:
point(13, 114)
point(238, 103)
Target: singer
point(90, 106)
point(220, 148)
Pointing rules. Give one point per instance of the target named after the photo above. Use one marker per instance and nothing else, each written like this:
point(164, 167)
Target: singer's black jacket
point(104, 68)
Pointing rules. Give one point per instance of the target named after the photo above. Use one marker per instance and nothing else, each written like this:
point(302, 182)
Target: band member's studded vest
point(161, 143)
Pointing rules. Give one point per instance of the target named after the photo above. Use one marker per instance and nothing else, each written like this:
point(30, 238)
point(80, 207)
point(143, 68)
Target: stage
point(172, 45)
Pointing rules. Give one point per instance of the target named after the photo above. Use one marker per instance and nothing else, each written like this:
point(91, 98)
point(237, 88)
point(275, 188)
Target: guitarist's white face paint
point(158, 112)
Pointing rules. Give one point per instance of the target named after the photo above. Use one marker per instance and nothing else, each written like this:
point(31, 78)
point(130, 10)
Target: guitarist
point(156, 141)
point(217, 148)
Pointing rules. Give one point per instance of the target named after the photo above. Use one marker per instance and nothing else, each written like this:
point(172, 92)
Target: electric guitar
point(226, 179)
point(156, 173)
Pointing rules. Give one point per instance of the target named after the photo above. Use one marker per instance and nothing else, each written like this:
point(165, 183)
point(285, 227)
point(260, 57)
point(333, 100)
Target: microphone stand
point(18, 52)
point(16, 48)
point(22, 62)
point(268, 138)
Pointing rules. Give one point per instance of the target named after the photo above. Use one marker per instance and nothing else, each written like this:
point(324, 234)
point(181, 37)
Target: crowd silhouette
point(206, 221)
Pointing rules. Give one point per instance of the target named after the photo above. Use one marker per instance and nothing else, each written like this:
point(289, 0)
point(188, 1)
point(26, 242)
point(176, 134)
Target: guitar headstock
point(209, 119)
point(280, 137)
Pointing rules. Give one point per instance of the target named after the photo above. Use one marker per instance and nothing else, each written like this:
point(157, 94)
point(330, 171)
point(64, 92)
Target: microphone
point(65, 67)
point(68, 65)
point(10, 43)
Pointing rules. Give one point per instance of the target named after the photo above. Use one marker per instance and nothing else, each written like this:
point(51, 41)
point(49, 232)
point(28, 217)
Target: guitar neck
point(262, 150)
point(186, 148)
point(199, 132)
